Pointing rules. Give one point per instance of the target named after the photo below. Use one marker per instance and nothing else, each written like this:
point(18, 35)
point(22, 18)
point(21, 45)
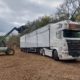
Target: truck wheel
point(55, 55)
point(10, 52)
point(42, 52)
point(28, 50)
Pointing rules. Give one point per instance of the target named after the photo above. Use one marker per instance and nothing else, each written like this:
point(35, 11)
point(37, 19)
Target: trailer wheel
point(10, 52)
point(55, 55)
point(26, 50)
point(42, 52)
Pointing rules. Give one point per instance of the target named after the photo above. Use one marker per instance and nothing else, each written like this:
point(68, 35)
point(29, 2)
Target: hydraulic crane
point(3, 47)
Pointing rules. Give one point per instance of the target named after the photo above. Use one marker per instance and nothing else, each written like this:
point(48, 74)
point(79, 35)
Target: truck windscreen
point(71, 33)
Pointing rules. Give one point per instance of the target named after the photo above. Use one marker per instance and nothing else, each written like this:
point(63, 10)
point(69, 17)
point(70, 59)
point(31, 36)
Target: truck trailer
point(60, 40)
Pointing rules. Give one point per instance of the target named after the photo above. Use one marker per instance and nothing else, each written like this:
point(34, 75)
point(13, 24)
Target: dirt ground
point(23, 66)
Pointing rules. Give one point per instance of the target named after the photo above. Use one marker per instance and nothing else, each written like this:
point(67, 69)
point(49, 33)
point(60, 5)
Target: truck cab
point(68, 40)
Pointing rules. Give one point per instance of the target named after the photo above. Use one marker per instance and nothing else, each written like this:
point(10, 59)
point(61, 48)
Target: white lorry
point(61, 40)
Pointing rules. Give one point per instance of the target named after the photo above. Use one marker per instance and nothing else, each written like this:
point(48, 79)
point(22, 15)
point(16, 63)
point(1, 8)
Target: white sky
point(18, 12)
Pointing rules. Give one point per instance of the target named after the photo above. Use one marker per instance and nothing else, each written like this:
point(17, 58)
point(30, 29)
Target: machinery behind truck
point(3, 46)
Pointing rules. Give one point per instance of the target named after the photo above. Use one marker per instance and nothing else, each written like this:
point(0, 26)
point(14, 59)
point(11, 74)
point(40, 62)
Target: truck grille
point(74, 47)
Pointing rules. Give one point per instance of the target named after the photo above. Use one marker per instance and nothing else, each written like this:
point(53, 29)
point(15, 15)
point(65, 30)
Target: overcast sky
point(18, 12)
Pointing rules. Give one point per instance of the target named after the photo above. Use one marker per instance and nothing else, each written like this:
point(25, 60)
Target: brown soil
point(23, 66)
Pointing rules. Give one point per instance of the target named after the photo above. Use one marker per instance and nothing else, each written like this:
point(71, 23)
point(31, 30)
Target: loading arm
point(3, 38)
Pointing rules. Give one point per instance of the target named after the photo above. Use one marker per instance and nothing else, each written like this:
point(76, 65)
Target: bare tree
point(68, 9)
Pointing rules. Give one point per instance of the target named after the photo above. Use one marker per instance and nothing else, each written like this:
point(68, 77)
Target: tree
point(40, 22)
point(13, 40)
point(69, 9)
